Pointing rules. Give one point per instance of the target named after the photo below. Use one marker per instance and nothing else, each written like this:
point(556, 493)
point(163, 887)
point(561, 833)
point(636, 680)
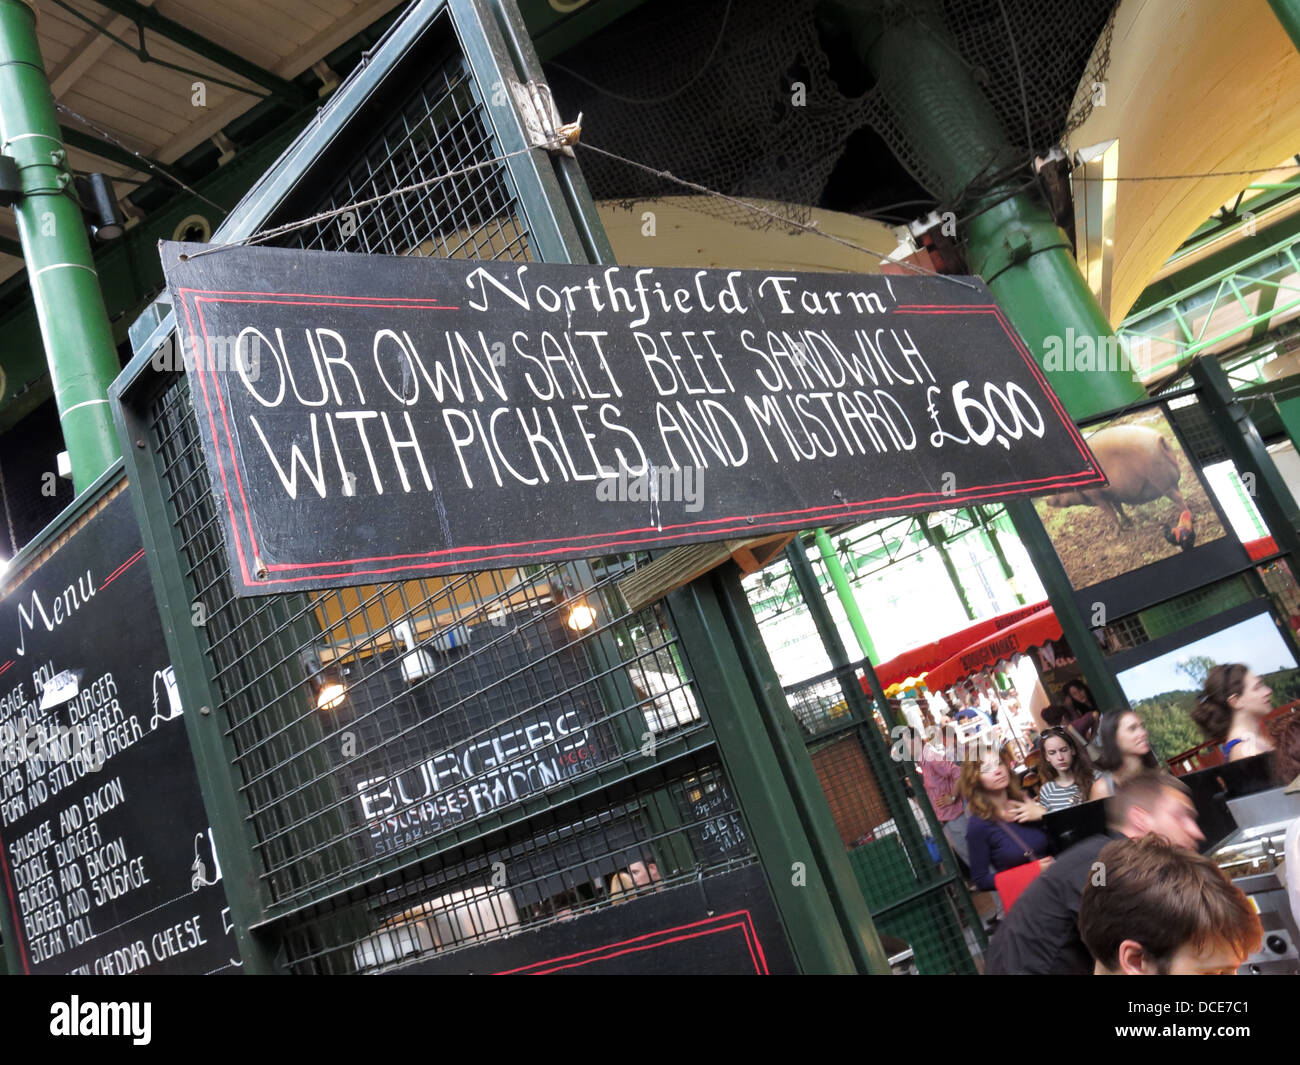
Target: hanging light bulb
point(581, 616)
point(330, 696)
point(330, 690)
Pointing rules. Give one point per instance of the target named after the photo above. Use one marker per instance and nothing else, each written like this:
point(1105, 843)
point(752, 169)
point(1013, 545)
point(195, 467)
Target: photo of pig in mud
point(1154, 506)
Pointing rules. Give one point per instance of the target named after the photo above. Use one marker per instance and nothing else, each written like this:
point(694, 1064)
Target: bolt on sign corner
point(369, 417)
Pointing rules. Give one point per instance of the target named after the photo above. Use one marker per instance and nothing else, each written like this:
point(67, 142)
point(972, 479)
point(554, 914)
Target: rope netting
point(753, 97)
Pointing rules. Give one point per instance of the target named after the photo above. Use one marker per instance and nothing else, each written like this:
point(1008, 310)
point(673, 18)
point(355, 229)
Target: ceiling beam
point(87, 142)
point(286, 90)
point(322, 45)
point(81, 58)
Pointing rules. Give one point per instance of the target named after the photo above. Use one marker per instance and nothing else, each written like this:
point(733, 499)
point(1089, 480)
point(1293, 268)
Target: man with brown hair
point(1040, 935)
point(1158, 909)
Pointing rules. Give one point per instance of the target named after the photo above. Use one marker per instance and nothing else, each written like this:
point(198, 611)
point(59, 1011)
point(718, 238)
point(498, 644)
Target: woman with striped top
point(1065, 772)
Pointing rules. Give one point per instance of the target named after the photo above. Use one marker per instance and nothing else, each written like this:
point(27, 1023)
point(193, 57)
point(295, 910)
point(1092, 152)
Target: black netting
point(710, 91)
point(1062, 49)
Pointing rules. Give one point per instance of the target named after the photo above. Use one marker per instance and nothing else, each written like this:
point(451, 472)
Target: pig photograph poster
point(1153, 531)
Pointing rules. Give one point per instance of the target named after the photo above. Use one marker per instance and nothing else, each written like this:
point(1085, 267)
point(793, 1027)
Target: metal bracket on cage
point(541, 118)
point(699, 882)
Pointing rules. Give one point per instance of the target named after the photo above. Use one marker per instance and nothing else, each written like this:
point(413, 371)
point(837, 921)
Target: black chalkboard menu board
point(370, 417)
point(106, 854)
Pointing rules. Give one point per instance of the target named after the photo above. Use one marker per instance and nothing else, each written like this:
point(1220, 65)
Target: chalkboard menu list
point(106, 854)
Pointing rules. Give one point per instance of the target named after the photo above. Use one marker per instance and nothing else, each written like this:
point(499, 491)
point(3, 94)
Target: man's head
point(1153, 908)
point(1154, 803)
point(644, 873)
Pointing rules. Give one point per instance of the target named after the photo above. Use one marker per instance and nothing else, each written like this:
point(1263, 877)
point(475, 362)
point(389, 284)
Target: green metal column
point(933, 539)
point(1276, 504)
point(995, 545)
point(65, 288)
point(825, 917)
point(1289, 411)
point(955, 142)
point(1288, 13)
point(875, 747)
point(845, 592)
point(1029, 265)
point(1076, 628)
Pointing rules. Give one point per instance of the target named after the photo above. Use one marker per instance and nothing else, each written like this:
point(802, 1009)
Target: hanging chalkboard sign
point(106, 855)
point(369, 417)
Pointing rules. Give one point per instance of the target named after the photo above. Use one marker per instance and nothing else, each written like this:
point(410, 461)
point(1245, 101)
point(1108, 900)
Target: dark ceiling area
point(766, 99)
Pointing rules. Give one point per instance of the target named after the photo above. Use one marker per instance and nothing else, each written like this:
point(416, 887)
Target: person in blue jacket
point(997, 837)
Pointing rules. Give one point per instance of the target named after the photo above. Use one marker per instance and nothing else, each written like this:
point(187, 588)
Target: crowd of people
point(1135, 898)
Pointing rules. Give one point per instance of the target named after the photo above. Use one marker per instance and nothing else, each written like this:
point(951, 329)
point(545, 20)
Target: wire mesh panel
point(428, 764)
point(819, 705)
point(879, 809)
point(1203, 439)
point(854, 797)
point(558, 871)
point(440, 130)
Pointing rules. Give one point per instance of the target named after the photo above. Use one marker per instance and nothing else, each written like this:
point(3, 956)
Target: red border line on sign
point(1018, 344)
point(121, 569)
point(584, 542)
point(221, 467)
point(331, 302)
point(651, 941)
point(276, 296)
point(516, 558)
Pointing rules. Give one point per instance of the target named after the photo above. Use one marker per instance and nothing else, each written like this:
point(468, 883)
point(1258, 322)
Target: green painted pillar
point(1028, 263)
point(990, 532)
point(954, 142)
point(1246, 448)
point(889, 775)
point(936, 542)
point(826, 919)
point(1289, 411)
point(1076, 626)
point(845, 592)
point(1288, 13)
point(65, 288)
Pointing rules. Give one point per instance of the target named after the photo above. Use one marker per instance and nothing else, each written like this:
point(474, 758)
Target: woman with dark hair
point(1125, 752)
point(1081, 712)
point(994, 798)
point(1231, 709)
point(1066, 772)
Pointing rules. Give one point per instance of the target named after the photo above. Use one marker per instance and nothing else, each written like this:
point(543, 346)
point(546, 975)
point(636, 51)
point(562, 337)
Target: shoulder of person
point(1076, 861)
